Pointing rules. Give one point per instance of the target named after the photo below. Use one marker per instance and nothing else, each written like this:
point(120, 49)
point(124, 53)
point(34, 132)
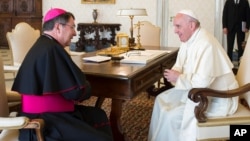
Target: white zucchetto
point(189, 13)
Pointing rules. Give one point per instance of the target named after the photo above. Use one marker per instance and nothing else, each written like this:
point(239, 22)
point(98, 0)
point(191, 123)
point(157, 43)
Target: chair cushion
point(219, 127)
point(13, 96)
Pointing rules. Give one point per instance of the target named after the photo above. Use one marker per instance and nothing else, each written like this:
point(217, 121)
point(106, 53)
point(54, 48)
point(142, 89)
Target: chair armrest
point(199, 95)
point(38, 125)
point(7, 123)
point(13, 122)
point(8, 68)
point(19, 122)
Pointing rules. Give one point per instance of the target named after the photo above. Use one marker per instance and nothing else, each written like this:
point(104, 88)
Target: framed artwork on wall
point(98, 1)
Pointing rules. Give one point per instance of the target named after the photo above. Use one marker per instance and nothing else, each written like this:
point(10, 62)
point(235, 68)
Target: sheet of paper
point(97, 58)
point(76, 53)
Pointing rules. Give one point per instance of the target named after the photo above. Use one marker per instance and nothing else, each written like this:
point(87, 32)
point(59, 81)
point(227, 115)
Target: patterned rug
point(136, 115)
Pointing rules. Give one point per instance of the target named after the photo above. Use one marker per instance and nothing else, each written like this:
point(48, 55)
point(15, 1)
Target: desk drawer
point(148, 77)
point(152, 74)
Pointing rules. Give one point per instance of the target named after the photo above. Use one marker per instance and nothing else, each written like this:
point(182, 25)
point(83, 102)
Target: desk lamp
point(131, 13)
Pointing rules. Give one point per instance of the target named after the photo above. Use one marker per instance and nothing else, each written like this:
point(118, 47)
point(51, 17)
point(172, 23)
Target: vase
point(95, 14)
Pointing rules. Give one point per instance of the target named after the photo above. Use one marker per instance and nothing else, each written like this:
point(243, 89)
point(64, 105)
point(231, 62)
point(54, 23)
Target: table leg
point(99, 102)
point(115, 120)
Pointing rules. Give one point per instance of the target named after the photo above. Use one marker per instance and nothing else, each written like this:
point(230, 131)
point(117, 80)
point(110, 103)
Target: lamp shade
point(132, 12)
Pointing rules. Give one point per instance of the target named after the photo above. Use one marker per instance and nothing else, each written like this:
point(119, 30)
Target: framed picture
point(122, 40)
point(98, 1)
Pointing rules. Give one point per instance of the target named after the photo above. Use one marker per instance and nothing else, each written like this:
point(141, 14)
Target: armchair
point(218, 128)
point(9, 123)
point(20, 41)
point(149, 34)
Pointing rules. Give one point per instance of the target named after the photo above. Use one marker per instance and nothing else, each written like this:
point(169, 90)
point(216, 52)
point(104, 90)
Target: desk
point(97, 42)
point(123, 81)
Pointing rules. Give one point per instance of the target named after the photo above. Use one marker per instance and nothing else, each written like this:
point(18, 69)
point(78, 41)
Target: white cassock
point(203, 63)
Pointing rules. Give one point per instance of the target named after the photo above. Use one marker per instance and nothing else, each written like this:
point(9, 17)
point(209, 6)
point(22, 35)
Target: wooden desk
point(123, 82)
point(97, 42)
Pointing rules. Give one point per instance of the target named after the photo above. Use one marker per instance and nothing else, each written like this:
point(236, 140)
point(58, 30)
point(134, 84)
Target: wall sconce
point(131, 13)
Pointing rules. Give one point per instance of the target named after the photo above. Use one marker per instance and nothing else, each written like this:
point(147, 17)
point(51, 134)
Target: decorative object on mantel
point(98, 42)
point(95, 14)
point(131, 13)
point(98, 1)
point(122, 40)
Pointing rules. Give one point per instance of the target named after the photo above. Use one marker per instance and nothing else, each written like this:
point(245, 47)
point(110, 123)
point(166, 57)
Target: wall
point(205, 11)
point(107, 12)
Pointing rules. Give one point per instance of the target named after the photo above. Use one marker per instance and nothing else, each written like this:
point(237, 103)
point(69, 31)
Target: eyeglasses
point(71, 26)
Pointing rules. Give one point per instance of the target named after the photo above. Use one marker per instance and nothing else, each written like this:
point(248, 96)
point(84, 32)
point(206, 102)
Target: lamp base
point(137, 47)
point(132, 42)
point(133, 45)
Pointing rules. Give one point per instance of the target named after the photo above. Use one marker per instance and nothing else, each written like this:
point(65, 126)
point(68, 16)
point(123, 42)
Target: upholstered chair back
point(149, 34)
point(243, 74)
point(20, 40)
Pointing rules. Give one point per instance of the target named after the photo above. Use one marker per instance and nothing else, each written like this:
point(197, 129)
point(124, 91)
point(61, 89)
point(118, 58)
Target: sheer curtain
point(162, 15)
point(218, 29)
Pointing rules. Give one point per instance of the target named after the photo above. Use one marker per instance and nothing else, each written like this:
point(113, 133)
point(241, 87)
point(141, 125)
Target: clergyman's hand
point(171, 75)
point(225, 31)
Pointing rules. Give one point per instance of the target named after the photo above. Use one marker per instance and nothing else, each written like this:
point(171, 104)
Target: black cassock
point(49, 70)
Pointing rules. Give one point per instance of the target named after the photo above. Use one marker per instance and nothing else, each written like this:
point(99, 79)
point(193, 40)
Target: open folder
point(142, 56)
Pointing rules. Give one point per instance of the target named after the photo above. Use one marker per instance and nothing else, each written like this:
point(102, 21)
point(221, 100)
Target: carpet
point(136, 115)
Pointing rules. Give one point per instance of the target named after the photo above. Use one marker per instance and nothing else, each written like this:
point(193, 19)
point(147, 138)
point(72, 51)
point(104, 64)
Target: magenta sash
point(46, 103)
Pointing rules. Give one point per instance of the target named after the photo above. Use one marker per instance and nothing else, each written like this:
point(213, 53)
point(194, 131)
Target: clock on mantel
point(122, 40)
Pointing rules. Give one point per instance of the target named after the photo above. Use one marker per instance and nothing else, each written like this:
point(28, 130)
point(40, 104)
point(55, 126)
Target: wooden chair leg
point(99, 101)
